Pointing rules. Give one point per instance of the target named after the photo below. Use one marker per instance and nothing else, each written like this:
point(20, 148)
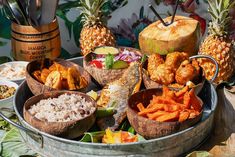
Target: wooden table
point(222, 140)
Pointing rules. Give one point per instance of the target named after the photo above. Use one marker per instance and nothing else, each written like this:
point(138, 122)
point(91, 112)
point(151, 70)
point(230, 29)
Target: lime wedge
point(120, 64)
point(104, 50)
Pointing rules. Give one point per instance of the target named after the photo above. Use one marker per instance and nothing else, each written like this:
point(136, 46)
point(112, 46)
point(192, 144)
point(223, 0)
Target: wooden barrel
point(31, 43)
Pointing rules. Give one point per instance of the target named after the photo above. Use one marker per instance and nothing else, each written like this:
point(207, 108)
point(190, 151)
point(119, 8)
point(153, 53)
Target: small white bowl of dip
point(13, 71)
point(8, 101)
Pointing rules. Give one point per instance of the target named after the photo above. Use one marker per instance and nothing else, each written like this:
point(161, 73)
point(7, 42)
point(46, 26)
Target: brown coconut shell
point(183, 36)
point(71, 129)
point(149, 128)
point(105, 76)
point(37, 87)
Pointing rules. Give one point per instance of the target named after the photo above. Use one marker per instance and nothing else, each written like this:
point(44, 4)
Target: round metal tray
point(171, 145)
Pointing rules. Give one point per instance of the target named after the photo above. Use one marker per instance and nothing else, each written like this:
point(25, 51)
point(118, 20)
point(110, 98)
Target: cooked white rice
point(62, 109)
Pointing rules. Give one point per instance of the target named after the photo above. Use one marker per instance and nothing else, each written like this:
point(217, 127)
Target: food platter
point(48, 145)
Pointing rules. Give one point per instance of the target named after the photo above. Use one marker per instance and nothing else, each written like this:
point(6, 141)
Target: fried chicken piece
point(186, 72)
point(173, 60)
point(154, 61)
point(195, 63)
point(163, 75)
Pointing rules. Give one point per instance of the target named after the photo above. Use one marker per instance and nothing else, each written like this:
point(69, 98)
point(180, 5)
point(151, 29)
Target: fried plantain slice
point(62, 69)
point(37, 75)
point(44, 73)
point(53, 67)
point(54, 80)
point(73, 78)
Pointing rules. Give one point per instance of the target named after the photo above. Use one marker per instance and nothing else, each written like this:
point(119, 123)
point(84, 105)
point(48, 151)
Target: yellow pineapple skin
point(221, 49)
point(94, 36)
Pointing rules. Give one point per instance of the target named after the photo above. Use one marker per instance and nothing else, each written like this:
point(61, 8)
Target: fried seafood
point(175, 70)
point(116, 94)
point(186, 72)
point(173, 60)
point(163, 75)
point(154, 61)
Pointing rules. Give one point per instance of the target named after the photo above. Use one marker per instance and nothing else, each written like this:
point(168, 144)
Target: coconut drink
point(182, 35)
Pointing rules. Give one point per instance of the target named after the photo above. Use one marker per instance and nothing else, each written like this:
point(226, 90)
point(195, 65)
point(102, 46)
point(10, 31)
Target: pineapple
point(217, 44)
point(94, 32)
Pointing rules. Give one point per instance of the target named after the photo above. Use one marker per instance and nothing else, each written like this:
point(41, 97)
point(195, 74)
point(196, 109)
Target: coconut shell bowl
point(38, 87)
point(151, 128)
point(101, 75)
point(69, 129)
point(197, 85)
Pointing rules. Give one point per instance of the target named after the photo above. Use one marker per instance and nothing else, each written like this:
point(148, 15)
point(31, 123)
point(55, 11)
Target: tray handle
point(34, 135)
point(213, 60)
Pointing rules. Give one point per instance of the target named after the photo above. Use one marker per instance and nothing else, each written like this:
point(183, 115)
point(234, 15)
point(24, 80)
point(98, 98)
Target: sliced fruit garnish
point(106, 50)
point(109, 60)
point(92, 94)
point(118, 137)
point(98, 64)
point(120, 64)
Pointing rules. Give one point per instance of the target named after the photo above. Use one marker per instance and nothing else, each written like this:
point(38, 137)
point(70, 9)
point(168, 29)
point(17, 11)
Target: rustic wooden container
point(31, 43)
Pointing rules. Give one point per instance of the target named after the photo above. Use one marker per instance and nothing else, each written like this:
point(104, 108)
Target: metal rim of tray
point(102, 144)
point(42, 134)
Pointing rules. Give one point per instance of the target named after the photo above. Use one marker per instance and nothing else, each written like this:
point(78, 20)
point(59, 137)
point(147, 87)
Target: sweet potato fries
point(172, 106)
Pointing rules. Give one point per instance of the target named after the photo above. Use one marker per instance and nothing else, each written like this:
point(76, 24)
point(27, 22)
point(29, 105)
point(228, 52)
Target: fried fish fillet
point(116, 94)
point(154, 61)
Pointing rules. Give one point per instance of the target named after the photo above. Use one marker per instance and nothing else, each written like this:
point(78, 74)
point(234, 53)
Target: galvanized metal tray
point(172, 145)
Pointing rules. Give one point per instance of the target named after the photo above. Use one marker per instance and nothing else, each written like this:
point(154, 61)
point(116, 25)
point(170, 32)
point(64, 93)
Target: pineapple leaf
point(225, 3)
point(224, 14)
point(213, 8)
point(217, 4)
point(232, 5)
point(213, 16)
point(77, 27)
point(88, 3)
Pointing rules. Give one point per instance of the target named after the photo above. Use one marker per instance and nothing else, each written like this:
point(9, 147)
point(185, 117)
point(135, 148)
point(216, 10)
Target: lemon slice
point(104, 50)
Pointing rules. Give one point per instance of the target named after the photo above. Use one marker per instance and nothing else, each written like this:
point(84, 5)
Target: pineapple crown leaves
point(219, 11)
point(92, 12)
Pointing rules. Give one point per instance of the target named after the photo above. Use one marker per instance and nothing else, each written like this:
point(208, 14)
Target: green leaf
point(105, 112)
point(157, 1)
point(109, 59)
point(5, 27)
point(141, 14)
point(2, 43)
point(12, 145)
point(143, 59)
point(93, 137)
point(199, 154)
point(65, 7)
point(4, 59)
point(225, 3)
point(66, 55)
point(77, 27)
point(131, 130)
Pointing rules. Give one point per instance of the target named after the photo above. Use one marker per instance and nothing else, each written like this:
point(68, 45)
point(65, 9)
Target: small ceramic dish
point(7, 102)
point(13, 71)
